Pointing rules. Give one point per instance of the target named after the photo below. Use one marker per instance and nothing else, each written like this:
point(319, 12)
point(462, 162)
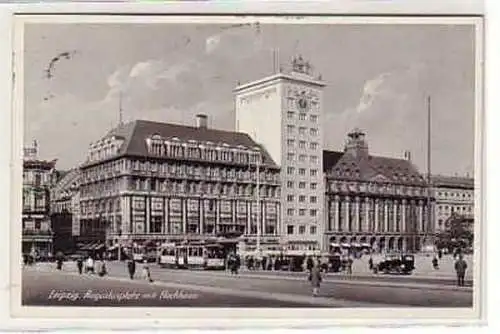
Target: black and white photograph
point(248, 162)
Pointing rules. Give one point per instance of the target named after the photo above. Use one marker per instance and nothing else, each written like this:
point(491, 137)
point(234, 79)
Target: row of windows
point(301, 171)
point(303, 116)
point(302, 212)
point(302, 185)
point(302, 199)
point(454, 208)
point(290, 229)
point(302, 144)
point(302, 130)
point(302, 157)
point(453, 194)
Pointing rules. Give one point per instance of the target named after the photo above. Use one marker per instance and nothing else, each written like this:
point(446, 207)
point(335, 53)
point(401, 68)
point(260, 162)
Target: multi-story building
point(157, 182)
point(283, 112)
point(65, 209)
point(37, 179)
point(374, 201)
point(454, 196)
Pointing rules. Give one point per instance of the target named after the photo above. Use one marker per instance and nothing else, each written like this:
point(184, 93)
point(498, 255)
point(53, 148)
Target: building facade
point(65, 210)
point(37, 235)
point(454, 196)
point(157, 182)
point(283, 112)
point(377, 202)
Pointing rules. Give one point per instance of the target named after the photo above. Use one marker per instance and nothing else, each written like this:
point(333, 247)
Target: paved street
point(336, 290)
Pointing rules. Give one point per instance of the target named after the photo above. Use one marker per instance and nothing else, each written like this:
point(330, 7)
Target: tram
point(199, 255)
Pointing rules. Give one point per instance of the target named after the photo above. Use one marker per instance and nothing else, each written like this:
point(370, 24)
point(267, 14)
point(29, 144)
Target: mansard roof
point(135, 133)
point(372, 169)
point(453, 182)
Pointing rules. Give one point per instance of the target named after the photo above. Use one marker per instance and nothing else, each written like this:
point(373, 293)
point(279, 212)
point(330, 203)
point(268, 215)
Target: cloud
point(372, 89)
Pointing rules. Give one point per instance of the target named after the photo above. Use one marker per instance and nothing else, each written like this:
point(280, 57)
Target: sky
point(378, 78)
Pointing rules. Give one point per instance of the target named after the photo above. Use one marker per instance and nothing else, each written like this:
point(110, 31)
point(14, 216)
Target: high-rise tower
point(284, 113)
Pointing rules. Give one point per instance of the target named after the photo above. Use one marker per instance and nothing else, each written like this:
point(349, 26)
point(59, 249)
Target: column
point(375, 227)
point(126, 223)
point(184, 215)
point(336, 214)
point(347, 218)
point(356, 219)
point(147, 219)
point(217, 215)
point(403, 217)
point(395, 221)
point(386, 218)
point(366, 227)
point(201, 213)
point(165, 229)
point(420, 216)
point(249, 217)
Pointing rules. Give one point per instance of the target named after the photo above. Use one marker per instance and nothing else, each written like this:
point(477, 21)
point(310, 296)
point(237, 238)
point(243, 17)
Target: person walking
point(131, 268)
point(146, 273)
point(90, 265)
point(435, 263)
point(79, 265)
point(349, 266)
point(370, 263)
point(315, 278)
point(103, 270)
point(460, 268)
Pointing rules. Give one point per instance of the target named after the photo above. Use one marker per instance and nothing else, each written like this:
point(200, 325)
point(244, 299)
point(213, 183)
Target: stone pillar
point(184, 216)
point(420, 216)
point(347, 218)
point(201, 217)
point(356, 218)
point(165, 229)
point(336, 215)
point(376, 222)
point(395, 221)
point(366, 227)
point(403, 217)
point(386, 218)
point(249, 217)
point(217, 215)
point(147, 203)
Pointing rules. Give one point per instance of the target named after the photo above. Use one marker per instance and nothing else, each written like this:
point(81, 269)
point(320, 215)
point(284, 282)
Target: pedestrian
point(146, 273)
point(103, 270)
point(460, 268)
point(370, 263)
point(440, 254)
point(315, 278)
point(309, 263)
point(79, 265)
point(131, 268)
point(349, 265)
point(435, 263)
point(264, 262)
point(90, 265)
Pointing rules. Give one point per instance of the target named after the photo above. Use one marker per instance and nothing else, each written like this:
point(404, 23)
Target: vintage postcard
point(266, 166)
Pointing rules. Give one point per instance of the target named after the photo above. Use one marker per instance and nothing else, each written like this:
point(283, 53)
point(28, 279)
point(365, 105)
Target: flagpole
point(429, 178)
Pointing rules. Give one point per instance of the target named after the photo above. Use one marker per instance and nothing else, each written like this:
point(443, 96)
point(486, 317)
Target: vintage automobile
point(396, 264)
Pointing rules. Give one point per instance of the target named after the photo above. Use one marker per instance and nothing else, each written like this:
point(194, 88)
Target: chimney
point(202, 121)
point(407, 155)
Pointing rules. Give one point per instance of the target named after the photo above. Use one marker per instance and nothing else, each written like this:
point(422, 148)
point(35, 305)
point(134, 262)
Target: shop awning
point(333, 244)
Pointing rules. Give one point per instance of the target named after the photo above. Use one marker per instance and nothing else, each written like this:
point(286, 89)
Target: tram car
point(207, 256)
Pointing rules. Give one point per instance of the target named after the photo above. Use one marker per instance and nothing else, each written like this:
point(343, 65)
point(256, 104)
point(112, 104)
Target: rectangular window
point(302, 198)
point(290, 212)
point(289, 184)
point(313, 145)
point(289, 198)
point(302, 185)
point(290, 128)
point(290, 156)
point(302, 212)
point(314, 118)
point(314, 159)
point(302, 158)
point(302, 144)
point(313, 199)
point(302, 171)
point(302, 116)
point(289, 229)
point(313, 186)
point(313, 229)
point(302, 229)
point(314, 172)
point(290, 170)
point(313, 212)
point(290, 142)
point(302, 130)
point(290, 114)
point(313, 131)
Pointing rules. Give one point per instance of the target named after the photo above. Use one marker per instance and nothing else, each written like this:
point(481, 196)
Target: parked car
point(396, 264)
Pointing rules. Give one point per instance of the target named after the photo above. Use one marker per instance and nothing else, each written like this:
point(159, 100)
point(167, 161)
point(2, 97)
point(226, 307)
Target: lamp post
point(258, 157)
